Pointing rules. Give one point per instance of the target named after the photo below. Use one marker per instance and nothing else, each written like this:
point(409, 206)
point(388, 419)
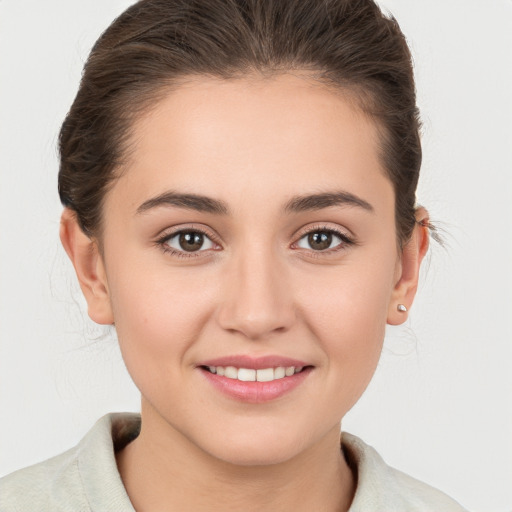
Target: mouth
point(255, 375)
point(255, 380)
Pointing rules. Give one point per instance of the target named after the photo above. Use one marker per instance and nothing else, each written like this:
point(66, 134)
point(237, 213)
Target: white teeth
point(251, 375)
point(265, 375)
point(279, 372)
point(290, 370)
point(247, 374)
point(231, 372)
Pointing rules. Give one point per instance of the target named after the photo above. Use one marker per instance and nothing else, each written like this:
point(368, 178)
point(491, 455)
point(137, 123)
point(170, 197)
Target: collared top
point(86, 479)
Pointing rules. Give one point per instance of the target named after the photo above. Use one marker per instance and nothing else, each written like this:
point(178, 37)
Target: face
point(253, 228)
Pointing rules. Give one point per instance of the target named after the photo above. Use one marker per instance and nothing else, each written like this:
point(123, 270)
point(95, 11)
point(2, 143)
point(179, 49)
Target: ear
point(89, 267)
point(409, 269)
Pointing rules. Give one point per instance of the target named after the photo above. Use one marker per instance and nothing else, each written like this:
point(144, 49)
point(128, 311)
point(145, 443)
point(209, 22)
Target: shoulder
point(43, 485)
point(381, 488)
point(79, 479)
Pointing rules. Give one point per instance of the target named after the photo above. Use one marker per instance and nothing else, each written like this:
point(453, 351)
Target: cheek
point(347, 312)
point(350, 300)
point(158, 314)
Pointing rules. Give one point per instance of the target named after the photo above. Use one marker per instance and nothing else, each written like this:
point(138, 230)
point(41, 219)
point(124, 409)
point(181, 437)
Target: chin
point(257, 448)
point(256, 454)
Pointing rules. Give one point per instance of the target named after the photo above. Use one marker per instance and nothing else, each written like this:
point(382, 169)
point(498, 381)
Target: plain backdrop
point(440, 405)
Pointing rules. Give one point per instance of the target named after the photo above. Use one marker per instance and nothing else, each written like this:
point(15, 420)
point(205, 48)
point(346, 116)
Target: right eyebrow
point(325, 200)
point(188, 201)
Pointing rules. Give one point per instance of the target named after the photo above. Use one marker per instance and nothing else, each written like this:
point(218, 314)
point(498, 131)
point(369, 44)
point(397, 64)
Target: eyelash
point(345, 241)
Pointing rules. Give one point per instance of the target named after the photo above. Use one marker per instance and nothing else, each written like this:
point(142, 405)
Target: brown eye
point(324, 239)
point(189, 241)
point(320, 240)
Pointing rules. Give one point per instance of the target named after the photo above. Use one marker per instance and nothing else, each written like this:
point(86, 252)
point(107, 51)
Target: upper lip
point(255, 363)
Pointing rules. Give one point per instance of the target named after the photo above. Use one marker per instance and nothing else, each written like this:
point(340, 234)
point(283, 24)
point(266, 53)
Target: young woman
point(238, 181)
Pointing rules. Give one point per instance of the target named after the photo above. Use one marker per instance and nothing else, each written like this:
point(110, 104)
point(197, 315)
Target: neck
point(168, 472)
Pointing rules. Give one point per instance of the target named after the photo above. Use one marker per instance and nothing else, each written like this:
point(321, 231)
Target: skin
point(258, 289)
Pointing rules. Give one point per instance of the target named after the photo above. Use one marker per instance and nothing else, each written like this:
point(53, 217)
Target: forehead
point(265, 137)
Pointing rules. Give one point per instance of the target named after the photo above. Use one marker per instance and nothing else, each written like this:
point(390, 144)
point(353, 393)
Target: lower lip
point(256, 392)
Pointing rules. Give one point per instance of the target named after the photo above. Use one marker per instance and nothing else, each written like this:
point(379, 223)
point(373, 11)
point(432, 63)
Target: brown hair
point(348, 44)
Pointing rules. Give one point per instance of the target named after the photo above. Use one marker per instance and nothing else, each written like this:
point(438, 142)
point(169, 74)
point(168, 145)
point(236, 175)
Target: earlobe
point(89, 267)
point(411, 258)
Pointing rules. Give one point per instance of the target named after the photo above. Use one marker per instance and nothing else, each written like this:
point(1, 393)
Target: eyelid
point(323, 226)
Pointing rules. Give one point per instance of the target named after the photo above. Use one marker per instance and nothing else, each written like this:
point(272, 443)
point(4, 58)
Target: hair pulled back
point(147, 50)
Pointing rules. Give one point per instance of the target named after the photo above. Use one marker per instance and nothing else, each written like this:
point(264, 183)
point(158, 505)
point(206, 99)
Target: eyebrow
point(195, 202)
point(297, 204)
point(313, 202)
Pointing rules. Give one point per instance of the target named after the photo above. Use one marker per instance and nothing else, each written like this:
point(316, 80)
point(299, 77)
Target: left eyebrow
point(187, 201)
point(325, 200)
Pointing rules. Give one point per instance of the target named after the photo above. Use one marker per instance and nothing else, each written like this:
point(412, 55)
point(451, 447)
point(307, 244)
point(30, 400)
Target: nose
point(257, 298)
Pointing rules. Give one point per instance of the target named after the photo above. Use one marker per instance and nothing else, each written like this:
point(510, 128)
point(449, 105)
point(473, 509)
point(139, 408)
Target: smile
point(255, 380)
point(252, 375)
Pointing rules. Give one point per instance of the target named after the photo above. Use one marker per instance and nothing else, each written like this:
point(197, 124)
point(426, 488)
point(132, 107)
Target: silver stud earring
point(401, 308)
